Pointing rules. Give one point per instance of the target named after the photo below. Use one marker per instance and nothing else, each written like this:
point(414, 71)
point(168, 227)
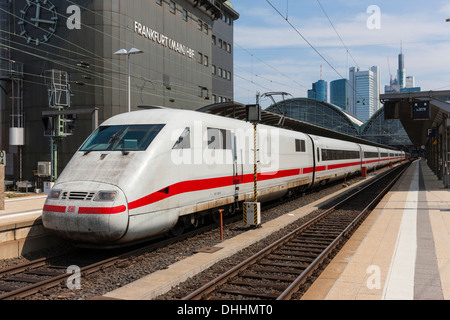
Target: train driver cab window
point(122, 138)
point(184, 141)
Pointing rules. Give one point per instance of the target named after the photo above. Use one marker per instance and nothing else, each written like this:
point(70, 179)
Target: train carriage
point(335, 159)
point(370, 157)
point(144, 173)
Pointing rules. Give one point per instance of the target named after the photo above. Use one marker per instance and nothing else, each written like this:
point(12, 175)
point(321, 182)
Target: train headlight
point(105, 196)
point(54, 194)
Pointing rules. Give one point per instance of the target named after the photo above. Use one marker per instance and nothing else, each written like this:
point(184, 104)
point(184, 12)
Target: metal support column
point(446, 156)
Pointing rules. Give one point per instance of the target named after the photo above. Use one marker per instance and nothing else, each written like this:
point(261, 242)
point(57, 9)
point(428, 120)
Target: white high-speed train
point(144, 173)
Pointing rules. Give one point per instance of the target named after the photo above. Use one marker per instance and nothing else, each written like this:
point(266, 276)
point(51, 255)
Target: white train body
point(142, 172)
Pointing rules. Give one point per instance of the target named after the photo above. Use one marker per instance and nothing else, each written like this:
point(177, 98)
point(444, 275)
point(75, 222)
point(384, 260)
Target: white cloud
point(445, 10)
point(425, 37)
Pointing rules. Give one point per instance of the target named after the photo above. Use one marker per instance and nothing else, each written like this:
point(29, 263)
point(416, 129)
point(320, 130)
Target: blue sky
point(271, 56)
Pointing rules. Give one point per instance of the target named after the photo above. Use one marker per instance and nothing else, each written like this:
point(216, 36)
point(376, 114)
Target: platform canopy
point(238, 111)
point(426, 118)
point(418, 112)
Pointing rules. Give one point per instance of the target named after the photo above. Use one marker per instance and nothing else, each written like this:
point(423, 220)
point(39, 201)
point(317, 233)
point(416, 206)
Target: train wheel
point(230, 210)
point(194, 220)
point(178, 228)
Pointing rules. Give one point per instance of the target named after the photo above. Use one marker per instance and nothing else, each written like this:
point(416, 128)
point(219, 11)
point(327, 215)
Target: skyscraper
point(402, 83)
point(364, 98)
point(339, 93)
point(401, 77)
point(319, 91)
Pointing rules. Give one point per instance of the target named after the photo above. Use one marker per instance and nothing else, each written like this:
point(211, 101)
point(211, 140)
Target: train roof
point(238, 111)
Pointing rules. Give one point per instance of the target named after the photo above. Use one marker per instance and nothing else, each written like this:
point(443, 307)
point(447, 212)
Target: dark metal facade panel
point(160, 76)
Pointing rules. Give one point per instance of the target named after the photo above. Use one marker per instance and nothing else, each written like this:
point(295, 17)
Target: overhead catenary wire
point(303, 37)
point(337, 33)
point(108, 65)
point(314, 48)
point(103, 62)
point(115, 83)
point(235, 44)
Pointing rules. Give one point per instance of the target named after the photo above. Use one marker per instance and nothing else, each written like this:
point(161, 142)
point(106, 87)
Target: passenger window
point(300, 145)
point(184, 141)
point(219, 139)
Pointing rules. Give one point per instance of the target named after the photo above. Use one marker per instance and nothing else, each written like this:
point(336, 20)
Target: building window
point(200, 58)
point(203, 92)
point(213, 69)
point(229, 48)
point(205, 61)
point(185, 15)
point(172, 6)
point(206, 28)
point(220, 43)
point(159, 2)
point(200, 25)
point(214, 40)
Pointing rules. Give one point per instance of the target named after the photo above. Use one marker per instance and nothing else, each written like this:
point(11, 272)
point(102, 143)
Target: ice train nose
point(99, 217)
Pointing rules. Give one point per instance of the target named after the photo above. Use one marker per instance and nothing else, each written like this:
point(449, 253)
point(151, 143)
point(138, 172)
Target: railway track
point(39, 275)
point(35, 276)
point(279, 270)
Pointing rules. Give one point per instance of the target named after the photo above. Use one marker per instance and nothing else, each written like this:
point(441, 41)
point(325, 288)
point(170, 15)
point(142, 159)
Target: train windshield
point(122, 138)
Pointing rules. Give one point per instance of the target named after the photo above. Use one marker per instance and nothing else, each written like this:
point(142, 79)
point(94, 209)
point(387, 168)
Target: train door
point(237, 169)
point(313, 153)
point(361, 157)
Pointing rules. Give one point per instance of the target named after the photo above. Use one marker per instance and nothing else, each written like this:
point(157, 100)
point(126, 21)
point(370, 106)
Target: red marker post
point(221, 224)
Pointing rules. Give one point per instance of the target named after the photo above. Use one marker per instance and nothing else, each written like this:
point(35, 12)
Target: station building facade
point(59, 54)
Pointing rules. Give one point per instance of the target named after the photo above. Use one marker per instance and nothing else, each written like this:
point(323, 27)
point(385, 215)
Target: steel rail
point(56, 280)
point(287, 294)
point(223, 278)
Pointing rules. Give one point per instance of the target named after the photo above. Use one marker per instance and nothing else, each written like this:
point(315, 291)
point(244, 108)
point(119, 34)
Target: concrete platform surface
point(402, 250)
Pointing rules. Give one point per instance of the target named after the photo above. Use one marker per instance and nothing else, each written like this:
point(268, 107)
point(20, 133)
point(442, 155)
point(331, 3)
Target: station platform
point(400, 252)
point(21, 229)
point(22, 208)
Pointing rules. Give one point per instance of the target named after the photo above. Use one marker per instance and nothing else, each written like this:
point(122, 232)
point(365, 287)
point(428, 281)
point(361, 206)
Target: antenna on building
point(321, 72)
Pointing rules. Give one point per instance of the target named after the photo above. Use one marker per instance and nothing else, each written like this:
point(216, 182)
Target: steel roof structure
point(238, 111)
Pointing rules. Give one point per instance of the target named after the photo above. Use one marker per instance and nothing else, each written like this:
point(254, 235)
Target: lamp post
point(124, 52)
